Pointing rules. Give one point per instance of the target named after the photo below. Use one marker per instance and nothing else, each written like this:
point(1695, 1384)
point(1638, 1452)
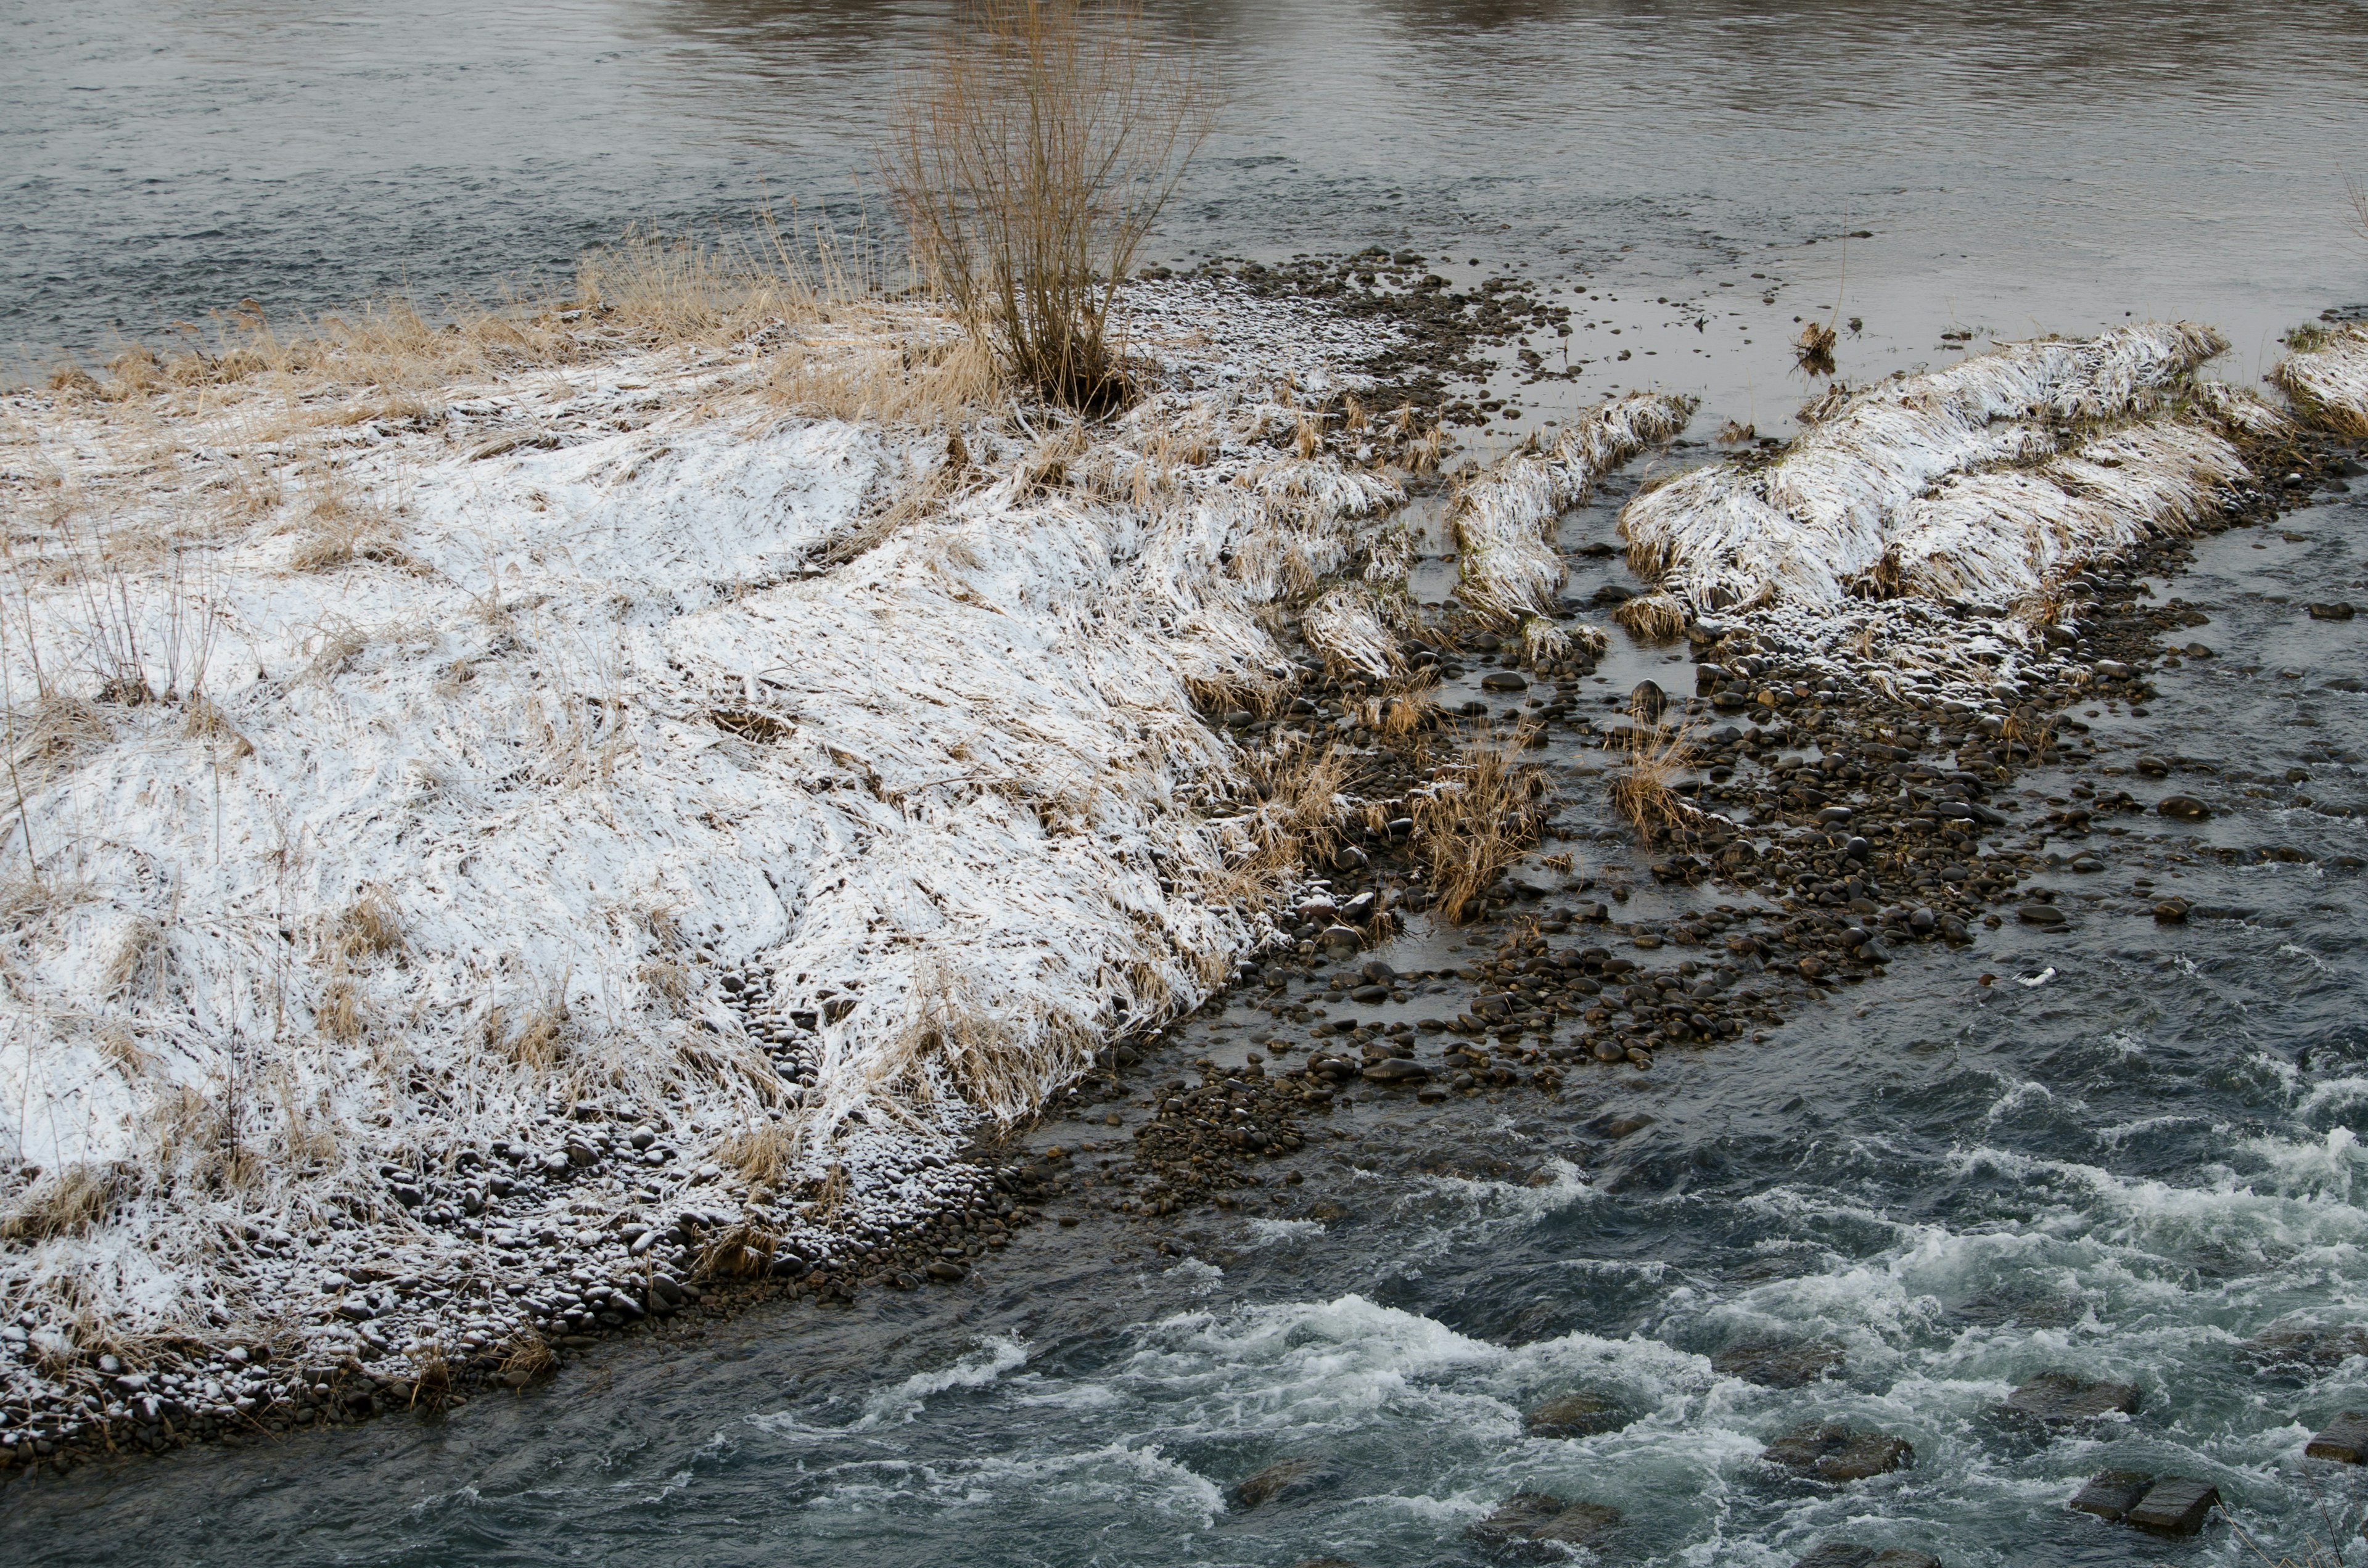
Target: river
point(2124, 1168)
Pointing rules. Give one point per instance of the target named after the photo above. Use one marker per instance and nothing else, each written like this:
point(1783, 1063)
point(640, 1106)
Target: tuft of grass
point(370, 927)
point(743, 1251)
point(66, 1202)
point(1028, 161)
point(525, 1355)
point(141, 966)
point(1641, 791)
point(1814, 349)
point(1652, 618)
point(431, 1376)
point(1470, 826)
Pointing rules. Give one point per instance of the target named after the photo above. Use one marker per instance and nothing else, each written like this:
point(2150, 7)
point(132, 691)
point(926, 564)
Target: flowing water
point(2124, 1168)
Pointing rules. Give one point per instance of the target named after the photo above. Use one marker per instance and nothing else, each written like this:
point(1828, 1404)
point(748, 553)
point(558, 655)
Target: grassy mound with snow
point(771, 737)
point(1976, 482)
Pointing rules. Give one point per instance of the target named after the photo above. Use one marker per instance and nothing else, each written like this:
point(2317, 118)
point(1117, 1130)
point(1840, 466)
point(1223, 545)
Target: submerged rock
point(1777, 1363)
point(2345, 1440)
point(1577, 1415)
point(1531, 1524)
point(2175, 1505)
point(1849, 1554)
point(1839, 1453)
point(2170, 1505)
point(1284, 1482)
point(2061, 1396)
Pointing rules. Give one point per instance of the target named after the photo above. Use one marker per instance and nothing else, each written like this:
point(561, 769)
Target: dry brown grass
point(141, 966)
point(1468, 828)
point(539, 1040)
point(339, 1015)
point(1299, 823)
point(1641, 790)
point(1652, 618)
point(525, 1355)
point(386, 359)
point(883, 376)
point(431, 1376)
point(66, 1202)
point(762, 1153)
point(743, 1251)
point(371, 927)
point(339, 532)
point(1028, 163)
point(1814, 349)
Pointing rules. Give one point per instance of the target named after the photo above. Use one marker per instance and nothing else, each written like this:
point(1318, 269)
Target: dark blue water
point(2124, 1170)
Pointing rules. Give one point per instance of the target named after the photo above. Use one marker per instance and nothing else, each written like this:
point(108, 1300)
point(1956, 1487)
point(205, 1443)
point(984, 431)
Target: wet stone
point(1777, 1364)
point(1577, 1415)
point(2045, 915)
point(1531, 1525)
point(2061, 1396)
point(1285, 1481)
point(2303, 1349)
point(1839, 1453)
point(1503, 680)
point(1397, 1070)
point(2112, 1493)
point(2182, 807)
point(1849, 1555)
point(2174, 1506)
point(2345, 1440)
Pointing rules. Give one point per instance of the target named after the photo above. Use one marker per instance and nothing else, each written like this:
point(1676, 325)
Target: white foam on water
point(980, 1367)
point(2331, 1095)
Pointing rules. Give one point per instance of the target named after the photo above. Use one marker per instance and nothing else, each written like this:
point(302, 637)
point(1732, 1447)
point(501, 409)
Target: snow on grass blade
point(1503, 518)
point(1980, 477)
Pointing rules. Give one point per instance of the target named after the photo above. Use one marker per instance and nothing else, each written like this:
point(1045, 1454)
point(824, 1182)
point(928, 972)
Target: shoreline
point(1287, 1106)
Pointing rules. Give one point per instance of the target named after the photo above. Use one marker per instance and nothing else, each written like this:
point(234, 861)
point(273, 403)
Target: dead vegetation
point(525, 1355)
point(1814, 349)
point(1652, 618)
point(1468, 827)
point(1642, 788)
point(66, 1203)
point(1028, 163)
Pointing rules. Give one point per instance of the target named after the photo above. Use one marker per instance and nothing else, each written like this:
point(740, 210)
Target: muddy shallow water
point(2123, 1169)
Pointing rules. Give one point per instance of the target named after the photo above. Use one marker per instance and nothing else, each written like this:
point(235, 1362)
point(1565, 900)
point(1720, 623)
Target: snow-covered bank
point(1977, 482)
point(453, 837)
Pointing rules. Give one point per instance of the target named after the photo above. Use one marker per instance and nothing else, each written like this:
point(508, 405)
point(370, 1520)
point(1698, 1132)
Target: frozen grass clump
point(2327, 377)
point(1979, 480)
point(1503, 518)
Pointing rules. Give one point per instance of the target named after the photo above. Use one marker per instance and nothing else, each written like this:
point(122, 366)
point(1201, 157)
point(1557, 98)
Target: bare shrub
point(1470, 826)
point(1641, 791)
point(1028, 163)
